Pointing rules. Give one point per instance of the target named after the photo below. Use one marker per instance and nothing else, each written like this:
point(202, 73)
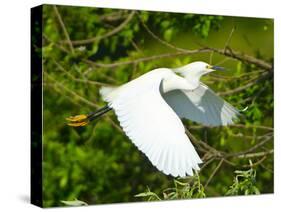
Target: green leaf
point(168, 34)
point(238, 68)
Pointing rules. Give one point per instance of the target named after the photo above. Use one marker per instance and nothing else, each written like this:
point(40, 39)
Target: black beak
point(218, 68)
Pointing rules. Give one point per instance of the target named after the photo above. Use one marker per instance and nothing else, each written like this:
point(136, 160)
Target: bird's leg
point(98, 113)
point(82, 120)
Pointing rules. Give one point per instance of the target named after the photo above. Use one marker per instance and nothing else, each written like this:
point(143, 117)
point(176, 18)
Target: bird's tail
point(107, 93)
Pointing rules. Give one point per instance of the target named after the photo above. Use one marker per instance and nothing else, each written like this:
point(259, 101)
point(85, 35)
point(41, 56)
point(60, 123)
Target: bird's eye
point(208, 67)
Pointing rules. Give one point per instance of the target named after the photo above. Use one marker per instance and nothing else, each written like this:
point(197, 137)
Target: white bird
point(150, 109)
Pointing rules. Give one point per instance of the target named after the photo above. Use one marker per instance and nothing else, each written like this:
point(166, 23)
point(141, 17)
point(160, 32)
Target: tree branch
point(143, 59)
point(74, 94)
point(64, 29)
point(226, 51)
point(256, 154)
point(243, 57)
point(237, 154)
point(262, 78)
point(72, 77)
point(214, 172)
point(236, 125)
point(108, 34)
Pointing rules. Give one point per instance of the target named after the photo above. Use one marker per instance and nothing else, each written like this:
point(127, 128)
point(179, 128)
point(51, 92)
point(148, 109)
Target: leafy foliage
point(244, 183)
point(181, 190)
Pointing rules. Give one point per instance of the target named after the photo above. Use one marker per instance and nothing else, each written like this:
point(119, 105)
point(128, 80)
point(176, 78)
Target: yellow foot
point(77, 121)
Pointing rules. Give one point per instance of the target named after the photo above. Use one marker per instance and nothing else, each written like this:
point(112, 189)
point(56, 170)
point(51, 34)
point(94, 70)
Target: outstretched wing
point(201, 105)
point(155, 129)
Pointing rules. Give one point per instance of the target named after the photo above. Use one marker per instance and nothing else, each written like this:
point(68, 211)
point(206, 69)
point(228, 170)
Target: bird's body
point(150, 109)
point(170, 80)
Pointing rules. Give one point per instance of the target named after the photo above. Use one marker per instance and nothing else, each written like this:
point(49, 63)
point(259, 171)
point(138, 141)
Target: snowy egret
point(150, 109)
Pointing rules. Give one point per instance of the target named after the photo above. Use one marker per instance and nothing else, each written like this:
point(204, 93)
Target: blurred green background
point(98, 163)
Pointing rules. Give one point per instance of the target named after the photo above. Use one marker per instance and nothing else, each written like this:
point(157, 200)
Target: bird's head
point(198, 69)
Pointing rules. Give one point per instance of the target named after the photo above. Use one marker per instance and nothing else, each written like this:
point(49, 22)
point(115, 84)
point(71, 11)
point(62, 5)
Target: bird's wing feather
point(155, 129)
point(201, 105)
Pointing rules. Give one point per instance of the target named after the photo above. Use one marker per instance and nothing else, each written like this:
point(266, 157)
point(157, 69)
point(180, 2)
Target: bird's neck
point(176, 82)
point(192, 75)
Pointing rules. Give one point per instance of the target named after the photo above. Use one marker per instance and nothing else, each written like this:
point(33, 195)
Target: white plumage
point(149, 109)
point(204, 106)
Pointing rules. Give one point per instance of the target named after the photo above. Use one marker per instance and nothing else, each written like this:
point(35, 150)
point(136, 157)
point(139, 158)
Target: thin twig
point(214, 172)
point(243, 57)
point(237, 126)
point(79, 97)
point(256, 163)
point(143, 59)
point(106, 35)
point(229, 78)
point(256, 154)
point(227, 51)
point(214, 151)
point(222, 61)
point(249, 59)
point(206, 163)
point(211, 58)
point(159, 39)
point(114, 124)
point(72, 77)
point(64, 29)
point(268, 169)
point(114, 16)
point(229, 38)
point(262, 78)
point(65, 95)
point(237, 154)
